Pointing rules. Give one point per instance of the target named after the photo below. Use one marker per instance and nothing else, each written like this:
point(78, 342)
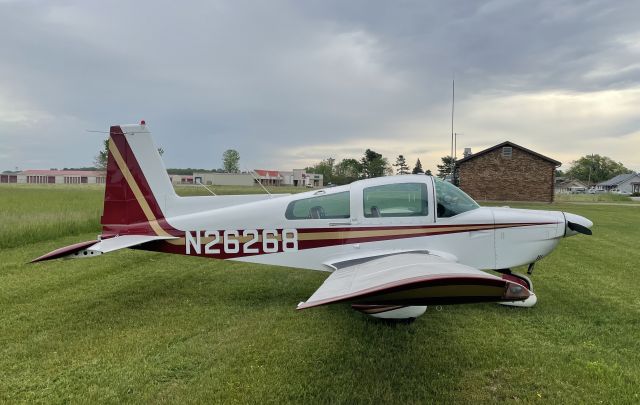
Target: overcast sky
point(288, 83)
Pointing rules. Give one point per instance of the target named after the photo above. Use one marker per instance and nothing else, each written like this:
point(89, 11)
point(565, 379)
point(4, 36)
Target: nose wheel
point(523, 280)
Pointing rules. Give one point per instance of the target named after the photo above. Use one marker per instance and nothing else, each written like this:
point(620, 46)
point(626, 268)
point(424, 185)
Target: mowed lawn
point(135, 326)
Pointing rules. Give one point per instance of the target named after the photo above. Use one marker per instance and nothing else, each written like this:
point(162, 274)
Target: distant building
point(625, 183)
point(54, 177)
point(8, 178)
point(181, 178)
point(269, 177)
point(508, 172)
point(569, 186)
point(295, 178)
point(224, 179)
point(300, 178)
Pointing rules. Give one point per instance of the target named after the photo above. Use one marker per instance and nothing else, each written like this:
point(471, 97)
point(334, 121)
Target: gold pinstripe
point(384, 232)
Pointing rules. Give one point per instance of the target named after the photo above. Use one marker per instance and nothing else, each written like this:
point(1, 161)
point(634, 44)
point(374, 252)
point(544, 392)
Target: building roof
point(267, 173)
point(513, 145)
point(39, 172)
point(621, 178)
point(569, 183)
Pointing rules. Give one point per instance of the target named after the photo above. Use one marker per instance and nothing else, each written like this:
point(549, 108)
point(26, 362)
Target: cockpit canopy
point(383, 198)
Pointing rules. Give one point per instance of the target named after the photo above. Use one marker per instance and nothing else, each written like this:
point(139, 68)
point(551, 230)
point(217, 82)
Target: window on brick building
point(507, 151)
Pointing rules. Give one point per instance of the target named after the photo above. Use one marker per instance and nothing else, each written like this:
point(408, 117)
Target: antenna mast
point(453, 103)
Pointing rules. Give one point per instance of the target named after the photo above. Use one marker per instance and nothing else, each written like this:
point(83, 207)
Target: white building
point(626, 183)
point(569, 186)
point(54, 177)
point(300, 178)
point(224, 179)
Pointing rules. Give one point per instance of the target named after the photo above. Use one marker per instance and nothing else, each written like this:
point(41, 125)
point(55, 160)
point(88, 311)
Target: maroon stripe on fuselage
point(339, 239)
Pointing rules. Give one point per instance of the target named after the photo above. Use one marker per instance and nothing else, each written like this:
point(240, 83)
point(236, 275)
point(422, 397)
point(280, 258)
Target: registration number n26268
point(248, 241)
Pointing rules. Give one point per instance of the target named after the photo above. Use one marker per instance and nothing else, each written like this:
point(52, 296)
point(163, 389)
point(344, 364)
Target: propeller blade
point(579, 228)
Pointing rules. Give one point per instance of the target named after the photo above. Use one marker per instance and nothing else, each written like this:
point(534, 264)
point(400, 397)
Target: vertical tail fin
point(137, 185)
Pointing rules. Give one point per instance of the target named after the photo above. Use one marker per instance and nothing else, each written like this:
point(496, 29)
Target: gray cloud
point(288, 83)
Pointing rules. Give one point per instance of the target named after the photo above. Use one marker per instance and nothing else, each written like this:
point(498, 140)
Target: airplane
point(392, 245)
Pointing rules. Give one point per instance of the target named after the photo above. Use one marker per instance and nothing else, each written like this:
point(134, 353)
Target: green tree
point(595, 168)
point(347, 171)
point(401, 165)
point(417, 169)
point(230, 161)
point(101, 159)
point(374, 165)
point(428, 172)
point(325, 168)
point(446, 169)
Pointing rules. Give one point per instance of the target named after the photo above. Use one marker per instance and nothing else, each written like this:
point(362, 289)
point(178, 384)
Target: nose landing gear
point(525, 282)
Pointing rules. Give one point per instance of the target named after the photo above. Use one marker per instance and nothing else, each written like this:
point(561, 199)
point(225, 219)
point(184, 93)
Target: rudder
point(137, 185)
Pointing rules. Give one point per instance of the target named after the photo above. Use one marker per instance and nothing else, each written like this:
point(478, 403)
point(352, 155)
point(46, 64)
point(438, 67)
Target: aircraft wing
point(413, 279)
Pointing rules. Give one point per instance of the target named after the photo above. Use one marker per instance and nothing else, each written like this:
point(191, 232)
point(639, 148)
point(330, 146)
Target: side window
point(396, 200)
point(451, 200)
point(322, 207)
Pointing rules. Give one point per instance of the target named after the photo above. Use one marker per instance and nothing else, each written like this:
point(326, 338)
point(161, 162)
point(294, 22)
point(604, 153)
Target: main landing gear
point(523, 280)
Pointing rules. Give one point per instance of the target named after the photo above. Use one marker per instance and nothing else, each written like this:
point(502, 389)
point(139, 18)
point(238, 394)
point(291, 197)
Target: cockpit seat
point(316, 212)
point(375, 211)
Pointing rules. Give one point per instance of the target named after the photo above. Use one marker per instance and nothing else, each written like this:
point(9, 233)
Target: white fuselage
point(483, 237)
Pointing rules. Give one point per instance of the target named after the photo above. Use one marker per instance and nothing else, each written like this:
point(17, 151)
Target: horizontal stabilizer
point(413, 279)
point(98, 247)
point(65, 251)
point(122, 242)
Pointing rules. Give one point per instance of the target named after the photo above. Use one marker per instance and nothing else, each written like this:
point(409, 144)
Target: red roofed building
point(269, 177)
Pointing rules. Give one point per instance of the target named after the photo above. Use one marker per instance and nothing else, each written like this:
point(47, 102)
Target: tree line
point(593, 169)
point(371, 164)
point(590, 169)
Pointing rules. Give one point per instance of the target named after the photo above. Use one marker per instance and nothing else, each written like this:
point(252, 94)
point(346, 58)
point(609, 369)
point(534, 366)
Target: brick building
point(508, 172)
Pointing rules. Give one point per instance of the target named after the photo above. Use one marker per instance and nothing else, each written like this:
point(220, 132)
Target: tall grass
point(32, 213)
point(601, 197)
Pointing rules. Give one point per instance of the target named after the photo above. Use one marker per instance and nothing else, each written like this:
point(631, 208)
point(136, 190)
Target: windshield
point(451, 200)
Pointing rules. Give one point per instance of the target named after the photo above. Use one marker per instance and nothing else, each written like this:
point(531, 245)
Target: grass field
point(602, 197)
point(136, 326)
